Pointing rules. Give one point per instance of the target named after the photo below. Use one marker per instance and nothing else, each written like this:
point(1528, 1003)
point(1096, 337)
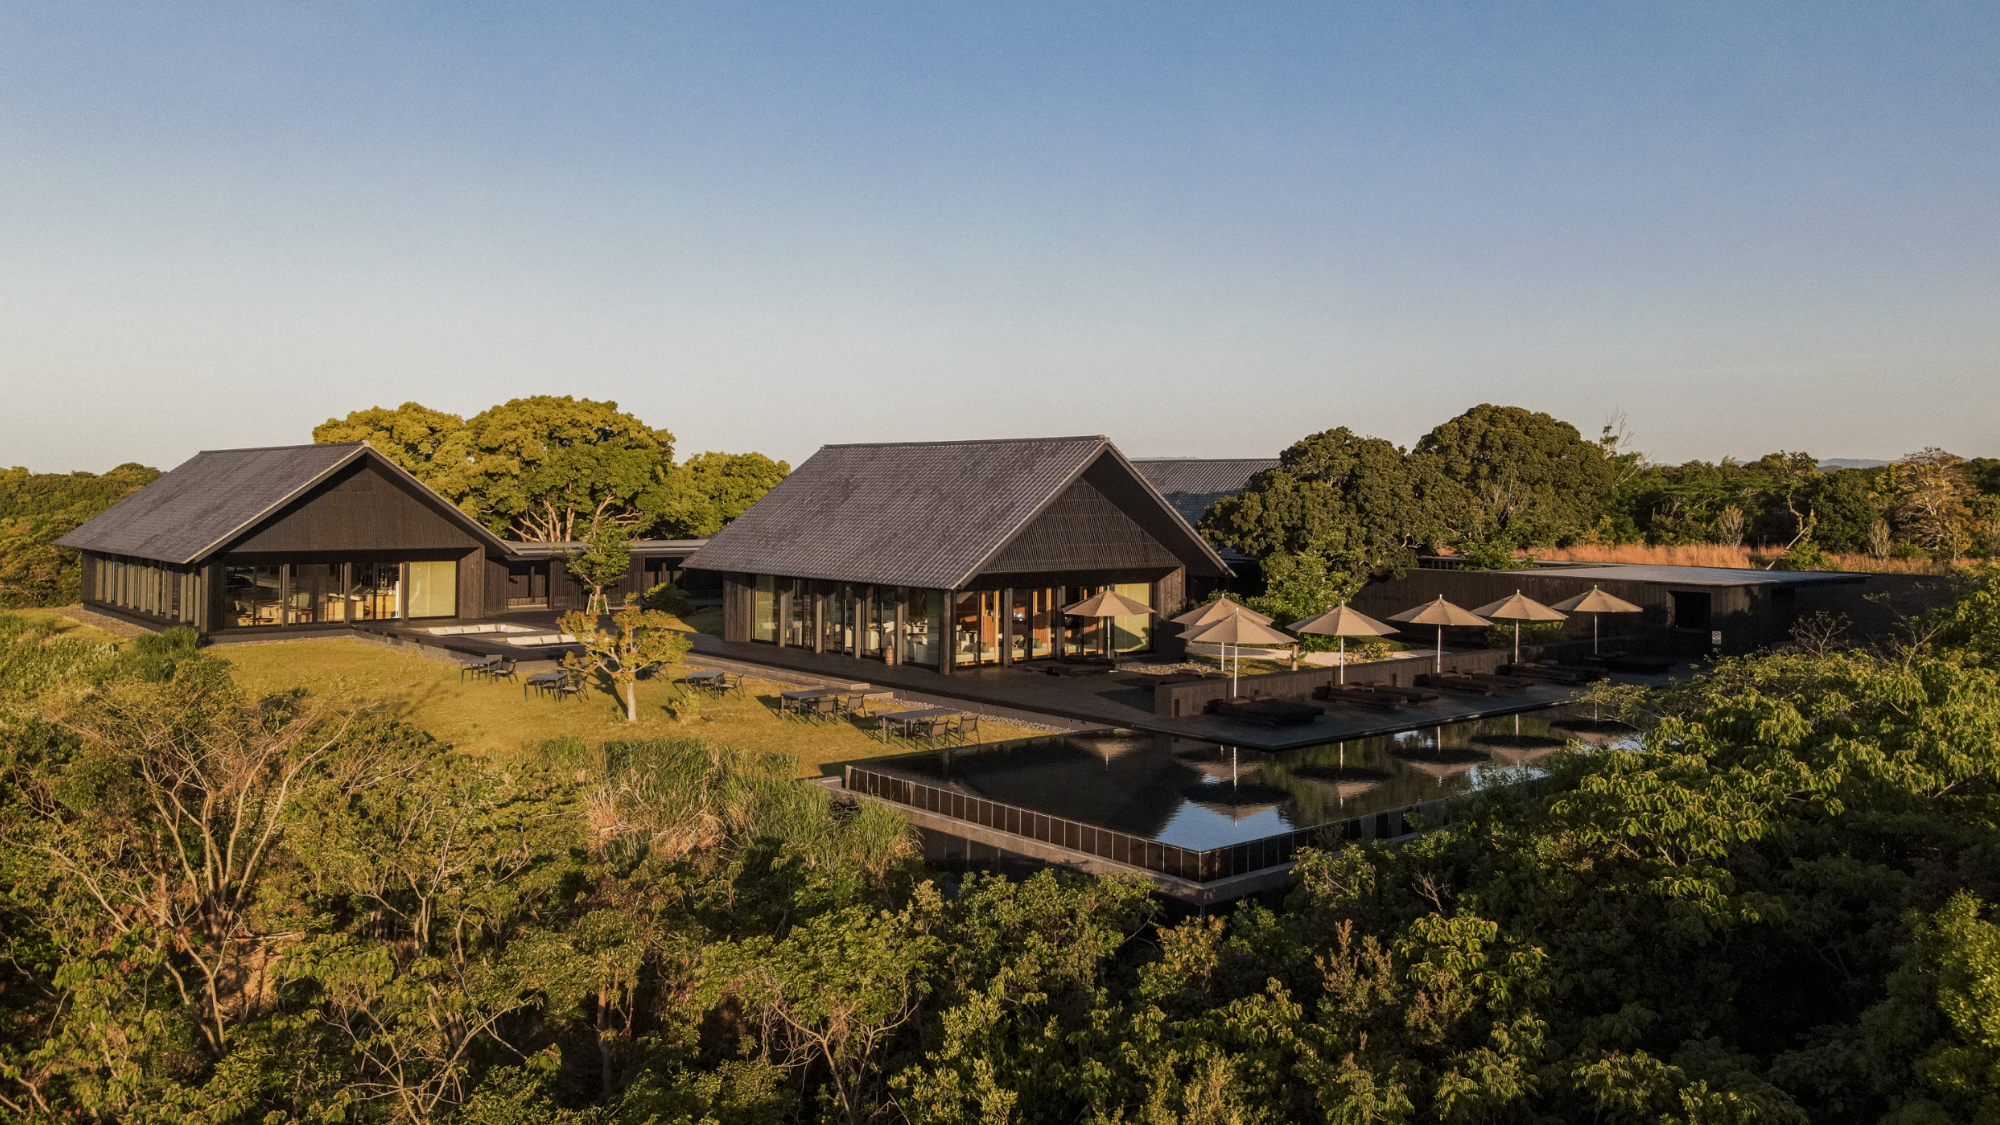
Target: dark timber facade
point(247, 541)
point(956, 555)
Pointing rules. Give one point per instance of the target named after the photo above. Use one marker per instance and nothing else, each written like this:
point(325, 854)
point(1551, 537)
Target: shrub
point(667, 598)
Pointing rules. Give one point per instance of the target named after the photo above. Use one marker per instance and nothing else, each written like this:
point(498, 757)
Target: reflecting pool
point(1203, 795)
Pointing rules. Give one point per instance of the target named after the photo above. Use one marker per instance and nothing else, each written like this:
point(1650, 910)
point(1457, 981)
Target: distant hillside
point(1851, 463)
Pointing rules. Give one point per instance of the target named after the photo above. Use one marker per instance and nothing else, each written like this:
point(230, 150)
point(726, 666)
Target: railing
point(1119, 847)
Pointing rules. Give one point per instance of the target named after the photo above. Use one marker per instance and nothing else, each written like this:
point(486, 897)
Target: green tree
point(1932, 501)
point(639, 641)
point(544, 467)
point(604, 561)
point(36, 509)
point(711, 489)
point(1523, 477)
point(420, 439)
point(1350, 501)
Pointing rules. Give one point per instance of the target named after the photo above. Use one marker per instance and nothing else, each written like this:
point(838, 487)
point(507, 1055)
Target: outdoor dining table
point(930, 718)
point(794, 700)
point(703, 679)
point(542, 681)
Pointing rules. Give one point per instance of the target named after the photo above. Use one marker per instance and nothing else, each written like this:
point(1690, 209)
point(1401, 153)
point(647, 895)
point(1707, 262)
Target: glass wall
point(377, 588)
point(1029, 626)
point(923, 623)
point(315, 597)
point(1082, 636)
point(798, 613)
point(434, 589)
point(838, 617)
point(975, 623)
point(255, 594)
point(1134, 633)
point(764, 610)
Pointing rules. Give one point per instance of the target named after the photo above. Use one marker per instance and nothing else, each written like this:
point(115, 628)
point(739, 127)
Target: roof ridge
point(271, 448)
point(959, 441)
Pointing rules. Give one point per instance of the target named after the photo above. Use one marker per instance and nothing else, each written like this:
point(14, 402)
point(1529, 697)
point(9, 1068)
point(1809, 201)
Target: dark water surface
point(1202, 795)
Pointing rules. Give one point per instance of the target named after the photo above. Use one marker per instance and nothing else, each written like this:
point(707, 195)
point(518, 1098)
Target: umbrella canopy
point(1440, 613)
point(1110, 603)
point(1597, 601)
point(1517, 609)
point(1594, 603)
point(1341, 621)
point(1520, 608)
point(1217, 610)
point(1236, 629)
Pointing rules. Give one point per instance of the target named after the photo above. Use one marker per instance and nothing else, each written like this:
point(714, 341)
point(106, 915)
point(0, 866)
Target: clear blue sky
point(1202, 229)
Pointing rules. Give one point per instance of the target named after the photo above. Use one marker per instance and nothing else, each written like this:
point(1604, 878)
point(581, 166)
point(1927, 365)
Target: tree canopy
point(1777, 905)
point(547, 468)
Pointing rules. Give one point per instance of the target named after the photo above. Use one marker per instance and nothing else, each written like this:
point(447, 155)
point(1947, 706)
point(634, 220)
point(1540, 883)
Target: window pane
point(922, 610)
point(764, 611)
point(434, 589)
point(252, 593)
point(1135, 633)
point(375, 590)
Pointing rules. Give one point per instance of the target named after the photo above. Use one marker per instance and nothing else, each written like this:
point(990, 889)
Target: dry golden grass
point(1733, 558)
point(494, 718)
point(66, 626)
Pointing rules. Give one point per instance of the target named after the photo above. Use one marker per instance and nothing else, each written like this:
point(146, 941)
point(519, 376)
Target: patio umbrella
point(1517, 609)
point(1439, 613)
point(1594, 603)
point(1215, 611)
point(1110, 603)
point(1237, 629)
point(1342, 622)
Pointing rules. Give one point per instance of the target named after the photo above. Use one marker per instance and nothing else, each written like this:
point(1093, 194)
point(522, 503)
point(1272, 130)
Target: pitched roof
point(1203, 476)
point(1191, 485)
point(220, 493)
point(929, 514)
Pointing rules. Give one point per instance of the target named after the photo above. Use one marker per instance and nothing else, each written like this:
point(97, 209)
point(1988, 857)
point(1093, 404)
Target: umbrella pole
point(1343, 659)
point(1594, 650)
point(1517, 642)
point(1437, 662)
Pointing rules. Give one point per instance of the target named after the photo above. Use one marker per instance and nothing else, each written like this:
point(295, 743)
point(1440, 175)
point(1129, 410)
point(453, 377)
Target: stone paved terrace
point(1109, 701)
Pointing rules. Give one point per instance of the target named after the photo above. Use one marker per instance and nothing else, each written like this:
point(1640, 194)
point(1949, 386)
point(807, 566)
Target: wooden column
point(896, 645)
point(818, 621)
point(782, 607)
point(1006, 638)
point(948, 633)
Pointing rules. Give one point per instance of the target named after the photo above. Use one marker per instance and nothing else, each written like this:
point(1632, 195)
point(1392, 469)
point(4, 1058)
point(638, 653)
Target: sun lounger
point(1407, 695)
point(1266, 712)
point(1355, 695)
point(1464, 685)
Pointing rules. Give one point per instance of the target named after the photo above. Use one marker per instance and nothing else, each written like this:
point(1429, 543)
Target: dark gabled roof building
point(1192, 485)
point(955, 554)
point(248, 541)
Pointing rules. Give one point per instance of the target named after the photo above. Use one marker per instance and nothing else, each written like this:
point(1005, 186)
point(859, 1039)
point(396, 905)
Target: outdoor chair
point(569, 687)
point(825, 707)
point(728, 682)
point(968, 729)
point(504, 669)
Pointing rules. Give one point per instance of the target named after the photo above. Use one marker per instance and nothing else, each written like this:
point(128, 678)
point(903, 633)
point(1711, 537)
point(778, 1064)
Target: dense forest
point(542, 468)
point(1497, 483)
point(219, 908)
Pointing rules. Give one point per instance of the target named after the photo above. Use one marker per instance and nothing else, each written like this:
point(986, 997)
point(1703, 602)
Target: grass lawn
point(494, 719)
point(66, 626)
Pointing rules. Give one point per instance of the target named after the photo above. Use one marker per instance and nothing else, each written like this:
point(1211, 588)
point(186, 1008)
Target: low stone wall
point(1172, 700)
